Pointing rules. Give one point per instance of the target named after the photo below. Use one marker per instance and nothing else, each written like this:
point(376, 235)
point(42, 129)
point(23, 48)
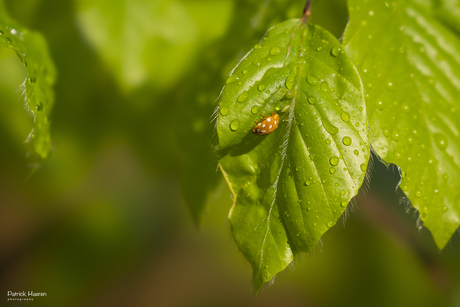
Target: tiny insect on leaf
point(267, 125)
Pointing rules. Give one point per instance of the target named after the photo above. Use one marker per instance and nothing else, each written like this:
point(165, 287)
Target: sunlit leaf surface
point(292, 185)
point(410, 65)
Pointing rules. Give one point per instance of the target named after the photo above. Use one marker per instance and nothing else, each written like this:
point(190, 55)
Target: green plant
point(387, 92)
point(402, 99)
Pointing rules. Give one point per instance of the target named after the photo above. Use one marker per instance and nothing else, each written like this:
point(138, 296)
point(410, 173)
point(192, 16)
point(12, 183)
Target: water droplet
point(342, 192)
point(346, 141)
point(319, 48)
point(410, 140)
point(224, 111)
point(390, 86)
point(245, 72)
point(336, 50)
point(441, 141)
point(328, 141)
point(307, 183)
point(334, 160)
point(312, 80)
point(312, 100)
point(258, 46)
point(243, 97)
point(363, 167)
point(332, 170)
point(240, 83)
point(344, 204)
point(1, 32)
point(231, 79)
point(257, 61)
point(444, 209)
point(380, 105)
point(275, 51)
point(261, 87)
point(290, 94)
point(254, 110)
point(325, 86)
point(356, 152)
point(329, 127)
point(309, 209)
point(418, 194)
point(330, 224)
point(395, 135)
point(13, 31)
point(314, 225)
point(234, 125)
point(345, 116)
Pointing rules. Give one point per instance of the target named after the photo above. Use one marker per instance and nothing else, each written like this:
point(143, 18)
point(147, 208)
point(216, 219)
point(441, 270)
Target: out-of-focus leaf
point(37, 89)
point(410, 66)
point(149, 41)
point(292, 185)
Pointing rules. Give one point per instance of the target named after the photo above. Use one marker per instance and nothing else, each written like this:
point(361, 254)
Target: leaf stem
point(306, 11)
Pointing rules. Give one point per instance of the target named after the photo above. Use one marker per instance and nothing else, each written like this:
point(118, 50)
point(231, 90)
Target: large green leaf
point(37, 89)
point(410, 66)
point(291, 186)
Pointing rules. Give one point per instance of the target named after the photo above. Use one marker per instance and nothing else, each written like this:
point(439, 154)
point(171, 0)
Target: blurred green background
point(104, 221)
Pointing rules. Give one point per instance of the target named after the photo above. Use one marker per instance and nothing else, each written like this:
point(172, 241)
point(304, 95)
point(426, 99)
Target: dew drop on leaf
point(334, 161)
point(362, 166)
point(312, 80)
point(243, 96)
point(231, 79)
point(329, 127)
point(336, 50)
point(224, 111)
point(380, 105)
point(345, 116)
point(346, 141)
point(312, 100)
point(234, 125)
point(441, 141)
point(275, 51)
point(290, 94)
point(395, 135)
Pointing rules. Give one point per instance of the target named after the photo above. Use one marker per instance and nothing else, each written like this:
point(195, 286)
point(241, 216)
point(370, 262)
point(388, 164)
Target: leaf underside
point(410, 66)
point(292, 185)
point(36, 90)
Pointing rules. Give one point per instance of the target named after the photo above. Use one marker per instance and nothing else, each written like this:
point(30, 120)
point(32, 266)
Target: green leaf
point(37, 89)
point(201, 86)
point(150, 42)
point(410, 66)
point(292, 185)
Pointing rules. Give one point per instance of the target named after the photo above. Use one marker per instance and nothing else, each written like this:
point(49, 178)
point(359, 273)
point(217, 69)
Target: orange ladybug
point(266, 125)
